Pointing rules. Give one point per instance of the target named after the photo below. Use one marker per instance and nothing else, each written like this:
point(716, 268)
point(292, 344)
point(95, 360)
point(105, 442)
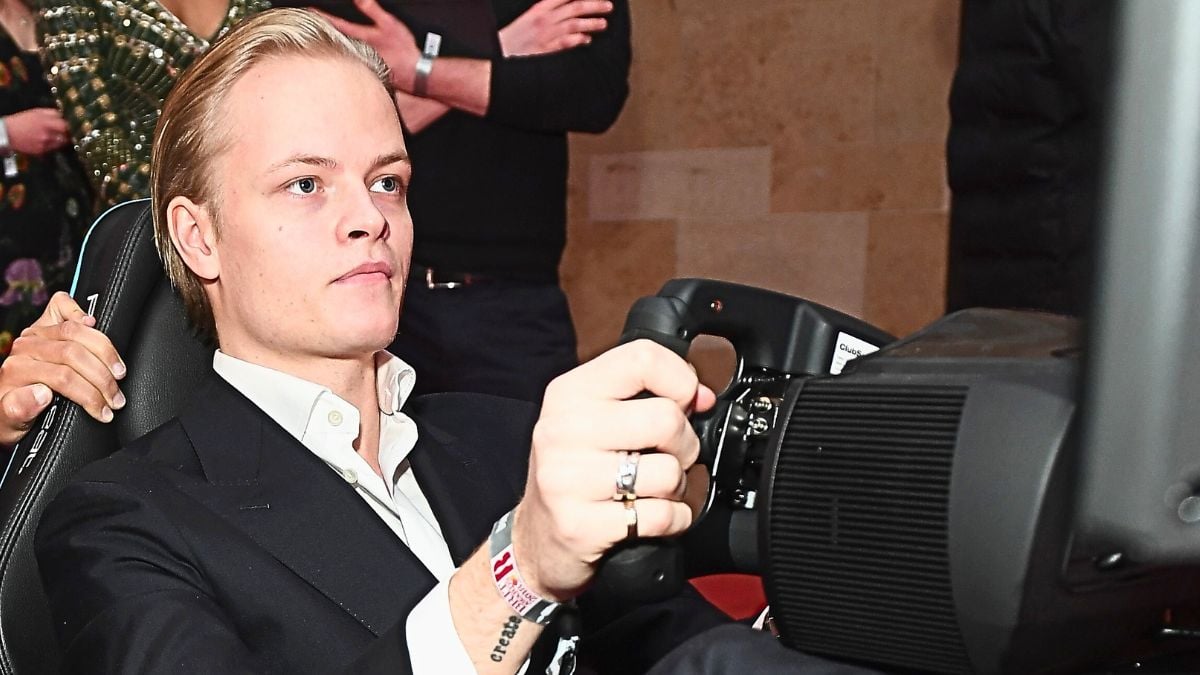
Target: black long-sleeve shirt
point(489, 195)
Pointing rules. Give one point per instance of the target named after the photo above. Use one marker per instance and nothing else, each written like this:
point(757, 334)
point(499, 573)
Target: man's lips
point(366, 272)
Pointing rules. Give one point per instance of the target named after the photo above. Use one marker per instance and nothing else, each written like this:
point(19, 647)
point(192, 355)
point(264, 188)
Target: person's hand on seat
point(37, 131)
point(61, 352)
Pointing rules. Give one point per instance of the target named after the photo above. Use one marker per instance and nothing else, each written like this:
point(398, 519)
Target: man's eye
point(389, 184)
point(303, 186)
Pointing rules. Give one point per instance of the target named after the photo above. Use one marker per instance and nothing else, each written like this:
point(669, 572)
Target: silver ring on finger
point(631, 519)
point(627, 470)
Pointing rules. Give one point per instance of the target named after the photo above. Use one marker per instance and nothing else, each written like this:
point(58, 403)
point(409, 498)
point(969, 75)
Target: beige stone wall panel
point(918, 48)
point(818, 256)
point(608, 266)
point(757, 72)
point(859, 177)
point(662, 184)
point(906, 270)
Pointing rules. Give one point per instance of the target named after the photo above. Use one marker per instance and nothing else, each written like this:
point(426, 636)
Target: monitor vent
point(857, 556)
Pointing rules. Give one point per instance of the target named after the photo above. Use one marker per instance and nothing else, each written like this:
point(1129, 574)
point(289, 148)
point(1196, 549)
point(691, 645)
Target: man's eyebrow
point(310, 160)
point(330, 163)
point(390, 158)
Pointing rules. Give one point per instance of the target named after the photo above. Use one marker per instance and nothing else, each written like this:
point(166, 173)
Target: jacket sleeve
point(76, 47)
point(127, 598)
point(580, 89)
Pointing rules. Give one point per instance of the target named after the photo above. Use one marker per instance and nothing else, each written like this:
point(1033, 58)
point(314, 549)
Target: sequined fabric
point(110, 64)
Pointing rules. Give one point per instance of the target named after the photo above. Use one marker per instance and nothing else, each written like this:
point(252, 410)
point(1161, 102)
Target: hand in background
point(554, 25)
point(388, 36)
point(37, 131)
point(61, 352)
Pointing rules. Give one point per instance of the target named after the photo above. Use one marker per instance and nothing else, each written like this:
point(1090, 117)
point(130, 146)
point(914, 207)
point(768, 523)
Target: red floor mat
point(738, 595)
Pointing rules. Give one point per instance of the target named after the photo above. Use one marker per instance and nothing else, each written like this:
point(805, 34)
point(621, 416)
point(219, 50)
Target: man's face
point(315, 234)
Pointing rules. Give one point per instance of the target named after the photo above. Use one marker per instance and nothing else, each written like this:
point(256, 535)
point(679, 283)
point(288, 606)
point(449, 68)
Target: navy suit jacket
point(219, 544)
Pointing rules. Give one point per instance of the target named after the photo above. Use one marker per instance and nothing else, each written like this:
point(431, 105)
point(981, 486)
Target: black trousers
point(500, 337)
point(734, 649)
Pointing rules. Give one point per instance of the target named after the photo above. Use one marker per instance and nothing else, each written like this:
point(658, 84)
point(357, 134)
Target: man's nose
point(362, 217)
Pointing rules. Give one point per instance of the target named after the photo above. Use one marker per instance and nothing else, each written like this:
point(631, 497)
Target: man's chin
point(364, 339)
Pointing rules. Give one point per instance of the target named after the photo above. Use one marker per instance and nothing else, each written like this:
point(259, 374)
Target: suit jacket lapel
point(466, 500)
point(268, 485)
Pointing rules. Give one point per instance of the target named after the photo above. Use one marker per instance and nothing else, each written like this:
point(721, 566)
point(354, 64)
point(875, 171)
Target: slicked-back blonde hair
point(193, 130)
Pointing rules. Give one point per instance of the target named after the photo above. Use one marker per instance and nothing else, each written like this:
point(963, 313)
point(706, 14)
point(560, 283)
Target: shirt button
point(335, 418)
point(350, 475)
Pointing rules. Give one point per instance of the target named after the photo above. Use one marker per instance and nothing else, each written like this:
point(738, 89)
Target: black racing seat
point(121, 282)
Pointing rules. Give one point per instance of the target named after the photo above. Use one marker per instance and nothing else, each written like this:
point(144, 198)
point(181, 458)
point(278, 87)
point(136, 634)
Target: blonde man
point(300, 515)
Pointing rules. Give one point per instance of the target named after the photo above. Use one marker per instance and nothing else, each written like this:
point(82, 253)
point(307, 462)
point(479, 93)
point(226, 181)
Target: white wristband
point(5, 145)
point(523, 599)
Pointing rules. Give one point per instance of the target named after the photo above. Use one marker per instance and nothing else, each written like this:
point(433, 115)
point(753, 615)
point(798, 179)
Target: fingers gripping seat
point(121, 282)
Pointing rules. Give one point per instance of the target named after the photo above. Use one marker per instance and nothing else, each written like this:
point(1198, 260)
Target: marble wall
point(792, 144)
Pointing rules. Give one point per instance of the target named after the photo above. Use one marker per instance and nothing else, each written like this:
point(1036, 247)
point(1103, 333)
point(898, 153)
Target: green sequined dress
point(110, 64)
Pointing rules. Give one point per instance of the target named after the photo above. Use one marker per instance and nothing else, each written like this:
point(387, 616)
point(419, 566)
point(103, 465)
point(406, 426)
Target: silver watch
point(433, 45)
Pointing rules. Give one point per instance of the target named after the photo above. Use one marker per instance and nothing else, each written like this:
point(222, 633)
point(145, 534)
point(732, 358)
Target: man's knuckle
point(667, 410)
point(93, 400)
point(683, 425)
point(74, 352)
point(69, 330)
point(655, 517)
point(643, 354)
point(13, 412)
point(64, 352)
point(555, 389)
point(572, 537)
point(548, 477)
point(690, 378)
point(58, 377)
point(692, 452)
point(546, 434)
point(657, 475)
point(665, 419)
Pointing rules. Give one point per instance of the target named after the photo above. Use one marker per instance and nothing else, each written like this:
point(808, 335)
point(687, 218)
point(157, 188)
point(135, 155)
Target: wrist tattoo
point(506, 636)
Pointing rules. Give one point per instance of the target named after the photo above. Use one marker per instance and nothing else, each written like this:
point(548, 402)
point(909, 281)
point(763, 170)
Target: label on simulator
point(846, 349)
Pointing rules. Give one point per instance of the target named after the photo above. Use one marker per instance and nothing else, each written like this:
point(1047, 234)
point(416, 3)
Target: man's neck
point(352, 379)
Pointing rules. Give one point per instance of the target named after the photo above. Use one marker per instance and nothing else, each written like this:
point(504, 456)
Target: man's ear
point(194, 237)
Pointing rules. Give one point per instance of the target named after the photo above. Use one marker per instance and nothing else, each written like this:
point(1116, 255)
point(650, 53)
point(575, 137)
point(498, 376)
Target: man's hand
point(388, 36)
point(554, 25)
point(37, 131)
point(568, 518)
point(60, 352)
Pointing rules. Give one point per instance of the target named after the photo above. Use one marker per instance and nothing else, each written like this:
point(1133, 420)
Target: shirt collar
point(394, 381)
point(289, 400)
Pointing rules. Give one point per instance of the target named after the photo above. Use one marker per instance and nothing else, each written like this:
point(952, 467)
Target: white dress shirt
point(328, 425)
